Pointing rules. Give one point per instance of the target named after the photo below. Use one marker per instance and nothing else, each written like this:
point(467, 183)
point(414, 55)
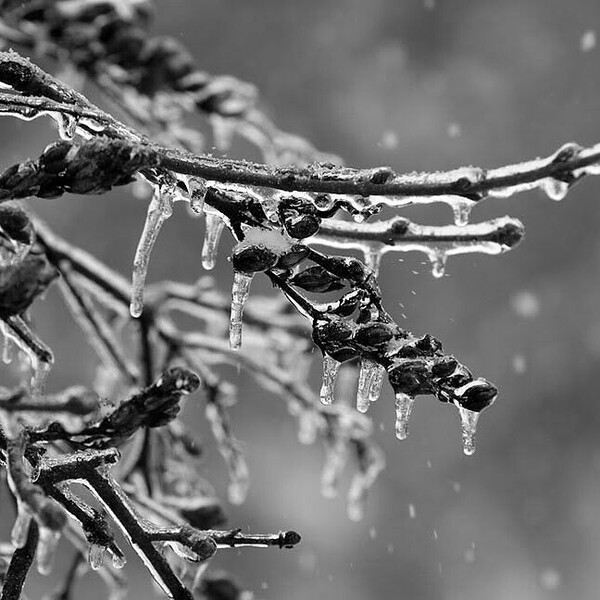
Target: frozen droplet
point(239, 294)
point(159, 210)
point(368, 370)
point(95, 556)
point(214, 229)
point(336, 457)
point(18, 535)
point(67, 126)
point(46, 550)
point(468, 420)
point(438, 262)
point(118, 560)
point(331, 368)
point(404, 406)
point(461, 208)
point(554, 188)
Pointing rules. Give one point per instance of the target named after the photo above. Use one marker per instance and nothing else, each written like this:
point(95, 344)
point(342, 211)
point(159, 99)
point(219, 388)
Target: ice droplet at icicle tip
point(554, 188)
point(468, 420)
point(214, 229)
point(159, 210)
point(438, 260)
point(95, 556)
point(67, 126)
point(239, 295)
point(331, 369)
point(461, 209)
point(404, 406)
point(46, 550)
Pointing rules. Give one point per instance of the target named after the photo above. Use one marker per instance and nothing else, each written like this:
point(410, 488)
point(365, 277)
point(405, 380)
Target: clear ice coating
point(331, 368)
point(336, 457)
point(95, 556)
point(18, 535)
point(367, 384)
point(468, 420)
point(239, 295)
point(119, 560)
point(159, 210)
point(46, 549)
point(197, 193)
point(214, 229)
point(404, 406)
point(67, 126)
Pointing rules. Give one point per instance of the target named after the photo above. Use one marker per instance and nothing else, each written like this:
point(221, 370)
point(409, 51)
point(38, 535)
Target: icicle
point(554, 188)
point(214, 229)
point(461, 208)
point(67, 126)
point(373, 256)
point(239, 294)
point(46, 549)
point(438, 259)
point(331, 368)
point(336, 457)
point(376, 383)
point(20, 528)
point(7, 347)
point(159, 211)
point(368, 370)
point(95, 556)
point(239, 482)
point(469, 420)
point(362, 482)
point(308, 425)
point(404, 406)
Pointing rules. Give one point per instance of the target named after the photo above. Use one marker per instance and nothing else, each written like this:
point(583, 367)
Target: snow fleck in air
point(264, 585)
point(456, 487)
point(429, 465)
point(435, 534)
point(390, 548)
point(550, 579)
point(454, 130)
point(429, 4)
point(587, 41)
point(412, 512)
point(525, 304)
point(519, 364)
point(470, 553)
point(372, 533)
point(389, 140)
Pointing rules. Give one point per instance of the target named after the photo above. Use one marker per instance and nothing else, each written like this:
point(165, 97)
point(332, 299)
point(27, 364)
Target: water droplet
point(461, 208)
point(214, 229)
point(95, 556)
point(239, 295)
point(159, 210)
point(469, 420)
point(404, 406)
point(555, 189)
point(438, 262)
point(118, 560)
point(46, 549)
point(331, 368)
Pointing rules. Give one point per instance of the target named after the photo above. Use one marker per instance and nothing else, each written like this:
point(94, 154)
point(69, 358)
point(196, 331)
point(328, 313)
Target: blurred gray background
point(425, 85)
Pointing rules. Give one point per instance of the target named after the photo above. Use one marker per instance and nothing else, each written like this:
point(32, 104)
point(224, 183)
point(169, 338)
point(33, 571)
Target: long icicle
point(239, 294)
point(404, 406)
point(212, 235)
point(159, 211)
point(331, 368)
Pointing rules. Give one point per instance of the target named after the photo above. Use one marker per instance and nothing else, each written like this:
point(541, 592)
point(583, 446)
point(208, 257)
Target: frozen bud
point(292, 257)
point(331, 330)
point(444, 367)
point(317, 279)
point(299, 217)
point(374, 334)
point(476, 395)
point(15, 223)
point(428, 344)
point(253, 259)
point(410, 377)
